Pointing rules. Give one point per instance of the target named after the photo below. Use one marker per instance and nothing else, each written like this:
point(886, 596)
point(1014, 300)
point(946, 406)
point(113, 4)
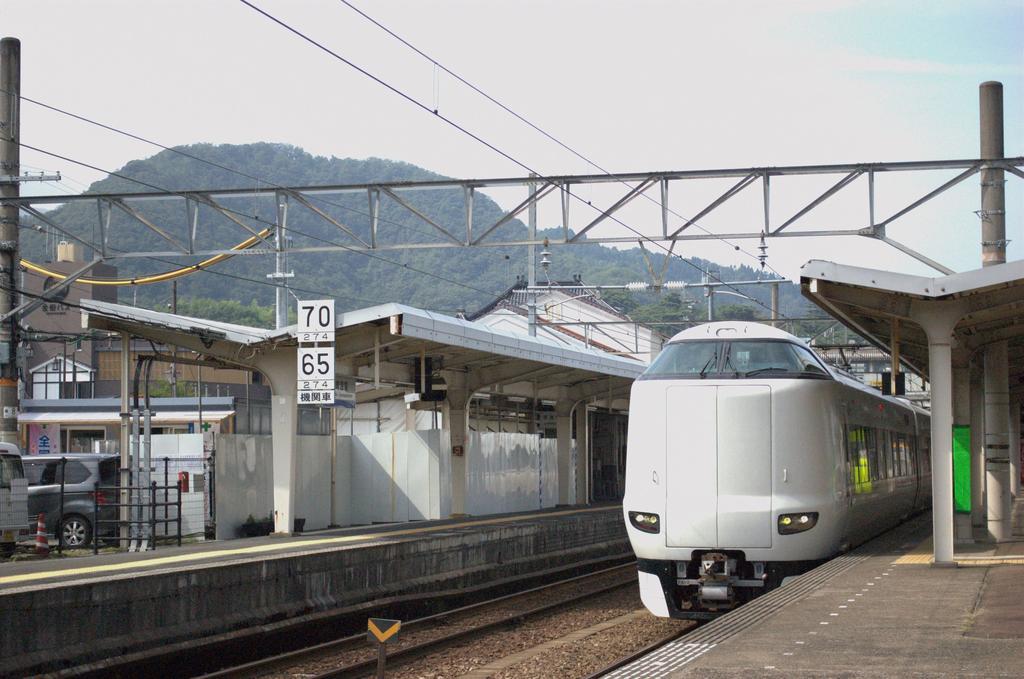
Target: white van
point(13, 498)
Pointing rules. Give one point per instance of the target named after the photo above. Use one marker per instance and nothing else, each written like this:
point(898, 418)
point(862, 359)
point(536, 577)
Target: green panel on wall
point(962, 468)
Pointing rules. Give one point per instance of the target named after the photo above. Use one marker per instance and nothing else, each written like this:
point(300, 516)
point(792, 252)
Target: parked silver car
point(82, 473)
point(13, 502)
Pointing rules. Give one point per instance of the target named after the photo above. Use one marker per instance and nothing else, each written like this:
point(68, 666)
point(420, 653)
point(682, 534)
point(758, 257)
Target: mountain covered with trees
point(443, 279)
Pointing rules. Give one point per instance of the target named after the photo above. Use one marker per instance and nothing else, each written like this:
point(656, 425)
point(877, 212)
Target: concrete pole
point(124, 439)
point(993, 253)
point(280, 369)
point(456, 421)
point(775, 304)
point(563, 439)
point(10, 165)
point(279, 275)
point(993, 194)
point(334, 467)
point(284, 415)
point(961, 417)
point(582, 454)
point(938, 320)
point(997, 443)
point(978, 505)
point(1015, 449)
point(531, 268)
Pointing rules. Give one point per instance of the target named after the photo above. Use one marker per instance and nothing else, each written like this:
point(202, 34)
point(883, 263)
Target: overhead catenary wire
point(462, 129)
point(258, 181)
point(151, 278)
point(537, 128)
point(245, 279)
point(256, 218)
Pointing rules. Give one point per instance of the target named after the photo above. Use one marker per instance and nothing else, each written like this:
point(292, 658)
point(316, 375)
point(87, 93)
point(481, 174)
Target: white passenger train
point(750, 460)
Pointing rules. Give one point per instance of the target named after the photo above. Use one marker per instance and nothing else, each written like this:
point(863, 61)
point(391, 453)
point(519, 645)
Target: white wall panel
point(245, 481)
point(506, 473)
point(399, 476)
point(184, 453)
point(313, 481)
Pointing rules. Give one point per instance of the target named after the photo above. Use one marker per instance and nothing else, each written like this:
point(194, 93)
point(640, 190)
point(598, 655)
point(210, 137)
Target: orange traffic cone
point(42, 543)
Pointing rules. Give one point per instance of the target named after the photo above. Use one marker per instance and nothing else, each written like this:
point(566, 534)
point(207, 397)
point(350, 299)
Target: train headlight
point(797, 523)
point(645, 521)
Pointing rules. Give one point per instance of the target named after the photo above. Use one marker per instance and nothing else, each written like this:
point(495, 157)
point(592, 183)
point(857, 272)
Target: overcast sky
point(635, 86)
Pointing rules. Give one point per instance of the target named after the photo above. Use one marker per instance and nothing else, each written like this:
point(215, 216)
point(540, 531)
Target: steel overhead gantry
point(359, 231)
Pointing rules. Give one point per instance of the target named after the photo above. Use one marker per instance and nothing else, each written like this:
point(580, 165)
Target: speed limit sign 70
point(316, 320)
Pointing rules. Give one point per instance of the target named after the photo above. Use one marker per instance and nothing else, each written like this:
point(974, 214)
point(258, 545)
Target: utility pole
point(280, 276)
point(10, 167)
point(174, 349)
point(531, 269)
point(993, 253)
point(775, 304)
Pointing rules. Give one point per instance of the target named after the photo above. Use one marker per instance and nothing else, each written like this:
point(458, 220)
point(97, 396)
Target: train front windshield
point(735, 359)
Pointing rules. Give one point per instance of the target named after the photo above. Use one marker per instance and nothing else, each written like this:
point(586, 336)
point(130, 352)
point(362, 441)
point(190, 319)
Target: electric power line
point(540, 130)
point(84, 287)
point(470, 134)
point(259, 180)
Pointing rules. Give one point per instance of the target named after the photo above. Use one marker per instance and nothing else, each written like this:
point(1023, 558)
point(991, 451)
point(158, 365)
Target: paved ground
point(884, 612)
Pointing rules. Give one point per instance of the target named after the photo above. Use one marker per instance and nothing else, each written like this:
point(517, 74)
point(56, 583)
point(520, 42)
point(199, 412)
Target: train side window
point(904, 456)
point(887, 457)
point(925, 454)
point(871, 445)
point(860, 472)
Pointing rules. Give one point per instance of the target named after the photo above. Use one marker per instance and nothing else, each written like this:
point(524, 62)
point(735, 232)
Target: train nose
point(720, 454)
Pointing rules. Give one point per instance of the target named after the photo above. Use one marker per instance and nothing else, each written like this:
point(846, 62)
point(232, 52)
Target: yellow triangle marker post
point(379, 630)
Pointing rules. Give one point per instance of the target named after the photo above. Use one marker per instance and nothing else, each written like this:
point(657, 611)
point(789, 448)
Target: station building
point(449, 418)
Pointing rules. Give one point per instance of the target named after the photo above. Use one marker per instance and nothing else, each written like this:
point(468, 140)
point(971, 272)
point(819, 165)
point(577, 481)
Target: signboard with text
point(316, 321)
point(315, 364)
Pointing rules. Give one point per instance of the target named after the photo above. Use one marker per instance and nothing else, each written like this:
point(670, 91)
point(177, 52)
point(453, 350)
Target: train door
point(691, 465)
point(745, 466)
point(719, 466)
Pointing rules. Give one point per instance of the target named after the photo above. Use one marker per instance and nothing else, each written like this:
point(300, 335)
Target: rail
point(401, 656)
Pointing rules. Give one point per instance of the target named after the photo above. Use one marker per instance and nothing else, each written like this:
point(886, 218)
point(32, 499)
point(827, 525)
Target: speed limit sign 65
point(316, 367)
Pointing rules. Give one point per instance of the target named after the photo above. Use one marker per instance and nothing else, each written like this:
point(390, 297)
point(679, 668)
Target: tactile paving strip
point(672, 656)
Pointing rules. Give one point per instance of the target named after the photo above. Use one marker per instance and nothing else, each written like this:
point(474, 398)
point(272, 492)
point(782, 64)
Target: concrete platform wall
point(46, 625)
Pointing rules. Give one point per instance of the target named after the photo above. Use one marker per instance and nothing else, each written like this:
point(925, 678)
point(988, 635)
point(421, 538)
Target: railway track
point(233, 650)
point(640, 653)
point(609, 579)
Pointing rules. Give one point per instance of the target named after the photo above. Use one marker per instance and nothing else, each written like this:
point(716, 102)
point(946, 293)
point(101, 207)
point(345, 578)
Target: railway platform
point(63, 612)
point(882, 610)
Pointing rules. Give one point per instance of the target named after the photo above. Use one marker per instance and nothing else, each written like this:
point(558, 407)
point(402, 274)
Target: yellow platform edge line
point(281, 546)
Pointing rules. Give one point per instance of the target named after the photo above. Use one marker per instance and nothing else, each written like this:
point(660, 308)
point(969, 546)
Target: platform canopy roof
point(394, 337)
point(875, 303)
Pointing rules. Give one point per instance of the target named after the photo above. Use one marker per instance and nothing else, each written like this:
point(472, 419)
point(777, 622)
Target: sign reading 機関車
point(315, 367)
